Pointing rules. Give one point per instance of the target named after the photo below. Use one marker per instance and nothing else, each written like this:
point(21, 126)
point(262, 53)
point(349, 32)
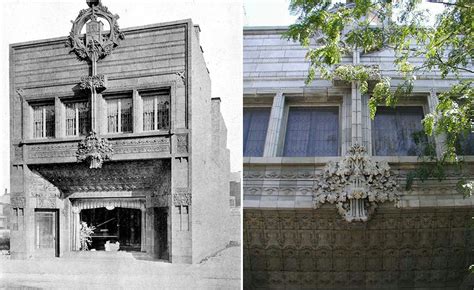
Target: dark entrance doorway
point(46, 233)
point(118, 224)
point(161, 233)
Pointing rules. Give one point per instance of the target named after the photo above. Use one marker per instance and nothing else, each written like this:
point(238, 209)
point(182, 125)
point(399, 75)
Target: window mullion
point(43, 133)
point(76, 127)
point(155, 113)
point(119, 116)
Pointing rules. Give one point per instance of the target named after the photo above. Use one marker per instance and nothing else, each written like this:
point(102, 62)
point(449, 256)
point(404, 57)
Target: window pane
point(126, 115)
point(112, 116)
point(38, 122)
point(49, 110)
point(84, 118)
point(312, 132)
point(394, 130)
point(255, 130)
point(156, 112)
point(43, 121)
point(148, 114)
point(466, 144)
point(82, 110)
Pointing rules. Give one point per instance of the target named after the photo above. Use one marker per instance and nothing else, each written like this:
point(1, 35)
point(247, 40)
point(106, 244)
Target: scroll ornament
point(103, 44)
point(356, 184)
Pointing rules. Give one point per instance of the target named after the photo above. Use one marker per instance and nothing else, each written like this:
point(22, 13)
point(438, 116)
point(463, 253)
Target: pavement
point(221, 271)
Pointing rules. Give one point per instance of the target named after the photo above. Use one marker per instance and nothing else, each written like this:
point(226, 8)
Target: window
point(43, 121)
point(119, 115)
point(77, 119)
point(312, 132)
point(255, 130)
point(394, 130)
point(466, 144)
point(156, 111)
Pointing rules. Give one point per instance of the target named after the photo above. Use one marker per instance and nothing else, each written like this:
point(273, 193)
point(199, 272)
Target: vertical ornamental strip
point(96, 45)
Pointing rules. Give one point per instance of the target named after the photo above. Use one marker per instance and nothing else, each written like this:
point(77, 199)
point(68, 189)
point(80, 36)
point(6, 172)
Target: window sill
point(108, 136)
point(326, 159)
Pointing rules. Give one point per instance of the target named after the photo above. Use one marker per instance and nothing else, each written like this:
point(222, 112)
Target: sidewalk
point(220, 272)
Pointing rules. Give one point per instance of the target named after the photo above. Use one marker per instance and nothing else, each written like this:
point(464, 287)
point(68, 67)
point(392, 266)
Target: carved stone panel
point(182, 143)
point(142, 145)
point(182, 196)
point(48, 151)
point(17, 201)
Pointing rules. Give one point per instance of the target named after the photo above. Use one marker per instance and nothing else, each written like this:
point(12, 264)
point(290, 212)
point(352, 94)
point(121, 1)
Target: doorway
point(46, 233)
point(122, 225)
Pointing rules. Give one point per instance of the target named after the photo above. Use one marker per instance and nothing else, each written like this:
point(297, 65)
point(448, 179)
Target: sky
point(221, 39)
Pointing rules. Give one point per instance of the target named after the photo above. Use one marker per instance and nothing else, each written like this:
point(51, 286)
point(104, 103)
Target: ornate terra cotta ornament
point(97, 82)
point(94, 150)
point(96, 44)
point(356, 184)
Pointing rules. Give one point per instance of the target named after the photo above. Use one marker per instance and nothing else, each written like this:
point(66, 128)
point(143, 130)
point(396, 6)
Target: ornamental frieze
point(142, 145)
point(114, 176)
point(356, 185)
point(124, 146)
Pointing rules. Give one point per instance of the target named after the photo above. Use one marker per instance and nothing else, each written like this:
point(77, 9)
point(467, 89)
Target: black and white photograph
point(121, 154)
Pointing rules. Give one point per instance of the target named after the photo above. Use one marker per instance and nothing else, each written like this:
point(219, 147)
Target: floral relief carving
point(356, 184)
point(98, 82)
point(94, 149)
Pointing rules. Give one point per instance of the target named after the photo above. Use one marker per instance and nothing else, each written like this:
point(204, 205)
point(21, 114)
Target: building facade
point(325, 201)
point(113, 131)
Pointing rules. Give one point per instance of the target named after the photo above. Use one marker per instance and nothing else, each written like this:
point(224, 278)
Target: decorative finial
point(91, 3)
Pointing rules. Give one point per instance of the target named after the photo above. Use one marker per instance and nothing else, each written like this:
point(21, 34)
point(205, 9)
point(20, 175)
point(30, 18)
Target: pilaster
point(137, 112)
point(274, 125)
point(59, 118)
point(439, 140)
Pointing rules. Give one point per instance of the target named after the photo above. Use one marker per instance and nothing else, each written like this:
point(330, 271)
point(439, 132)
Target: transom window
point(394, 129)
point(255, 130)
point(119, 115)
point(77, 118)
point(156, 111)
point(312, 131)
point(43, 121)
